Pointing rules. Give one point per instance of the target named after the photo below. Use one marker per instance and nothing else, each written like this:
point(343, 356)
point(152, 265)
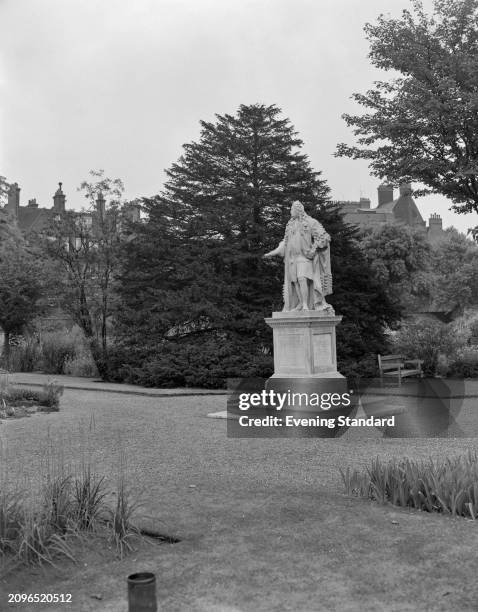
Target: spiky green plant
point(37, 541)
point(449, 486)
point(120, 522)
point(10, 520)
point(89, 495)
point(58, 506)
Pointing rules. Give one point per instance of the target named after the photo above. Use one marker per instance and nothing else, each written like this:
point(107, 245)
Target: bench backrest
point(389, 362)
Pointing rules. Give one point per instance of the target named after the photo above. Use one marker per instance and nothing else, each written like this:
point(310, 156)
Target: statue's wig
point(298, 205)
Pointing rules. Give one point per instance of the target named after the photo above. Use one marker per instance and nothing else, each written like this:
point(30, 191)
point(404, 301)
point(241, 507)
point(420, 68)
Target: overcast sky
point(122, 85)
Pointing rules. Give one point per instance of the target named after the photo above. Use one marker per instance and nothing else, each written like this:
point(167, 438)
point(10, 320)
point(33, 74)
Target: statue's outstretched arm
point(280, 251)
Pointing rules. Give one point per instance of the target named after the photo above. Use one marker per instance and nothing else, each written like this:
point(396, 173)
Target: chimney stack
point(385, 194)
point(100, 204)
point(59, 200)
point(435, 227)
point(435, 221)
point(13, 203)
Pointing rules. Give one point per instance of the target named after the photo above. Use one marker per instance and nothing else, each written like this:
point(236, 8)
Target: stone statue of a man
point(306, 252)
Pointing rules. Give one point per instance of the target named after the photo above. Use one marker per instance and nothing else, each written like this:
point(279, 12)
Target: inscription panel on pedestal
point(322, 350)
point(290, 352)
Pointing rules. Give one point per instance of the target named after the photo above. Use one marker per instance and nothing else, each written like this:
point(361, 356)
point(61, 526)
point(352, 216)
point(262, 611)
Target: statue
point(306, 253)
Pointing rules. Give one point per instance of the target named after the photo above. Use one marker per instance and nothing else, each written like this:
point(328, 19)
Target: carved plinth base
point(305, 359)
point(304, 344)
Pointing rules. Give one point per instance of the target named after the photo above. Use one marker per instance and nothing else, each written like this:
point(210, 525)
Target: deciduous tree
point(399, 257)
point(85, 247)
point(21, 287)
point(421, 125)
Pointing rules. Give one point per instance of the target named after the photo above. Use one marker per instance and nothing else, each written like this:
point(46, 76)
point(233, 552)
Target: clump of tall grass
point(121, 527)
point(58, 507)
point(37, 530)
point(26, 355)
point(88, 496)
point(38, 541)
point(449, 486)
point(10, 520)
point(60, 351)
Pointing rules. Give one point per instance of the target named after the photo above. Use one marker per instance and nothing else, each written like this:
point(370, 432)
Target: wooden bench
point(398, 366)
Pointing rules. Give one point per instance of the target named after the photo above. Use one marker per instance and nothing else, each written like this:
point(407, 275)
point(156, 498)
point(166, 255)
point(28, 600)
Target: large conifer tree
point(195, 289)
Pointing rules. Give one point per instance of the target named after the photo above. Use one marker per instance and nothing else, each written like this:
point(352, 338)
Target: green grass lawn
point(264, 526)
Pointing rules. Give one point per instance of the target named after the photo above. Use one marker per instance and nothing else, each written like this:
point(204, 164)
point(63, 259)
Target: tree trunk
point(99, 357)
point(103, 327)
point(6, 349)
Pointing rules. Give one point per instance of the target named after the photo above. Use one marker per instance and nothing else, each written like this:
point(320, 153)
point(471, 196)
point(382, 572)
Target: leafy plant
point(51, 393)
point(449, 487)
point(80, 365)
point(428, 340)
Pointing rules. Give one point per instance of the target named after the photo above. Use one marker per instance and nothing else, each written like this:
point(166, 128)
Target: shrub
point(473, 327)
point(81, 364)
point(428, 340)
point(178, 364)
point(356, 370)
point(449, 486)
point(18, 395)
point(26, 356)
point(57, 348)
point(465, 365)
point(48, 396)
point(58, 352)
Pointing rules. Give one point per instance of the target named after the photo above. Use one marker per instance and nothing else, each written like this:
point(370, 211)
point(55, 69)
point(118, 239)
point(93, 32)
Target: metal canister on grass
point(142, 592)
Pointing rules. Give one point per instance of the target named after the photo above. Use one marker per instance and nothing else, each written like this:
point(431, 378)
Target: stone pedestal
point(304, 345)
point(306, 396)
point(305, 365)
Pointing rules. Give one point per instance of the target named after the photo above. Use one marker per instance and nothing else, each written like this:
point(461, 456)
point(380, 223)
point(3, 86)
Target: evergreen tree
point(195, 288)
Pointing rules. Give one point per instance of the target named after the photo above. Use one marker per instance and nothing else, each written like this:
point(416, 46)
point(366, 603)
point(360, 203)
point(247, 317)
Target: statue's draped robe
point(301, 235)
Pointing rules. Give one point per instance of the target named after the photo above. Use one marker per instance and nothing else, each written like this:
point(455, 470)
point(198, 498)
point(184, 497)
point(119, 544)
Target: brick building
point(402, 209)
point(32, 218)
